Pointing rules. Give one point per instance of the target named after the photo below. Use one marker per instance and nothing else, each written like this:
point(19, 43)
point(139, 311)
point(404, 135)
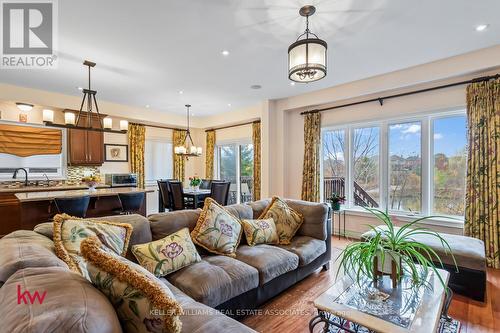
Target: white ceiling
point(147, 51)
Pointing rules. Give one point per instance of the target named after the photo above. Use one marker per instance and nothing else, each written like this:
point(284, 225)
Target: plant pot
point(195, 188)
point(386, 266)
point(336, 206)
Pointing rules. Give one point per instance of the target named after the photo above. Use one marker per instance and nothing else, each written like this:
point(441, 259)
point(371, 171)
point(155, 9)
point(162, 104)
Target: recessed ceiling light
point(225, 53)
point(482, 27)
point(255, 86)
point(79, 88)
point(147, 106)
point(181, 92)
point(229, 104)
point(292, 83)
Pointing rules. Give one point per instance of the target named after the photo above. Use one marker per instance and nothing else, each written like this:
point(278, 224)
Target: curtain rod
point(381, 99)
point(230, 126)
point(159, 126)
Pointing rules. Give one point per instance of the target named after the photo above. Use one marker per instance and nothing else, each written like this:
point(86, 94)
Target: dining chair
point(205, 184)
point(219, 191)
point(164, 201)
point(74, 206)
point(176, 193)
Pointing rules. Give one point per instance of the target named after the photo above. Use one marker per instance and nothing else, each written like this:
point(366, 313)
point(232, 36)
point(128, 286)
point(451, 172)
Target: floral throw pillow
point(70, 231)
point(217, 230)
point(287, 220)
point(167, 255)
point(260, 232)
point(142, 302)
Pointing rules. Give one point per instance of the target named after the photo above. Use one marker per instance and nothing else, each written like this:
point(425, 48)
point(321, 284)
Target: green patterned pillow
point(167, 255)
point(70, 231)
point(142, 302)
point(287, 220)
point(217, 230)
point(260, 232)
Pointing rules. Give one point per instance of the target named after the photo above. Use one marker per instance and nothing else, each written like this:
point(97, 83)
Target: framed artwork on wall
point(115, 153)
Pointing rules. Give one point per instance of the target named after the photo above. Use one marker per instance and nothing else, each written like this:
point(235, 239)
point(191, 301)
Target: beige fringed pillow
point(167, 255)
point(70, 231)
point(217, 230)
point(142, 302)
point(287, 220)
point(260, 232)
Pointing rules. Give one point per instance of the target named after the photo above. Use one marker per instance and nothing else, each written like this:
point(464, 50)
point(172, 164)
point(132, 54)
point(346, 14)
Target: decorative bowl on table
point(91, 181)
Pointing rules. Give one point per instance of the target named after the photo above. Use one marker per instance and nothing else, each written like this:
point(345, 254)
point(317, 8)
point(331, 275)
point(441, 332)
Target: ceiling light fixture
point(24, 106)
point(255, 86)
point(292, 83)
point(147, 106)
point(307, 55)
point(188, 148)
point(71, 120)
point(482, 27)
point(181, 92)
point(225, 53)
point(229, 104)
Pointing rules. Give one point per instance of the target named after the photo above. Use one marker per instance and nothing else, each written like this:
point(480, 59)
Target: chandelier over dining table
point(188, 147)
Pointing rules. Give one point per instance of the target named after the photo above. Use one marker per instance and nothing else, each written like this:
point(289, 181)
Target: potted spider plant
point(392, 250)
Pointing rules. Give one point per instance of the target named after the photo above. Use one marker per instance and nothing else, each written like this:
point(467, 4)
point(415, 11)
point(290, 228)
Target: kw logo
point(26, 297)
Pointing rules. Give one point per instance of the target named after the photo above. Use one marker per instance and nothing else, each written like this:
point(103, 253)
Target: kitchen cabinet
point(86, 147)
point(10, 212)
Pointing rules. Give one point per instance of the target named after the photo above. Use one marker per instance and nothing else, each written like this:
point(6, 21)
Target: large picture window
point(415, 166)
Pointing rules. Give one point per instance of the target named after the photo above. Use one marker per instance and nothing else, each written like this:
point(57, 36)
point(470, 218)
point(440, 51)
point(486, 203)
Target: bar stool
point(74, 206)
point(131, 202)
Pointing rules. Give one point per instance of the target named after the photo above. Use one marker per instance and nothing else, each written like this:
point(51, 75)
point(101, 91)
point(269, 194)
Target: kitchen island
point(37, 207)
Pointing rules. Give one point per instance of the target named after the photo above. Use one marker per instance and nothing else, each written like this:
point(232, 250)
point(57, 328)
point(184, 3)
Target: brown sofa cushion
point(215, 279)
point(306, 248)
point(271, 261)
point(71, 304)
point(24, 248)
point(241, 211)
point(164, 224)
point(200, 318)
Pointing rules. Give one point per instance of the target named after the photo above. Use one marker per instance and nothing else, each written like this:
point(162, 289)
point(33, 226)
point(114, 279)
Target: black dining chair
point(219, 191)
point(74, 206)
point(176, 193)
point(164, 201)
point(205, 184)
point(131, 202)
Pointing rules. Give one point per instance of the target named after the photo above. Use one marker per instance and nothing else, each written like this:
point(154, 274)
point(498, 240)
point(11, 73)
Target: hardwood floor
point(292, 310)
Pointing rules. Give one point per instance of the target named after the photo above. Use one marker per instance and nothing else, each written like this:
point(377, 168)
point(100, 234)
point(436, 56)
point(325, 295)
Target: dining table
point(197, 196)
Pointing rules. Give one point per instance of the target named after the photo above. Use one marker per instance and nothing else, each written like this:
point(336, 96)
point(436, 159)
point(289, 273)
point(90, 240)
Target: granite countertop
point(100, 192)
point(34, 188)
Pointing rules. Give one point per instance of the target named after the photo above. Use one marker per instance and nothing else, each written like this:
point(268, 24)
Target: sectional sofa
point(212, 292)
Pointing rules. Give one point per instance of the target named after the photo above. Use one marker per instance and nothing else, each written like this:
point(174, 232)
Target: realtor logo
point(29, 34)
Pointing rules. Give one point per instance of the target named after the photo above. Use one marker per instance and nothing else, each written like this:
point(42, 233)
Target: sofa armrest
point(315, 218)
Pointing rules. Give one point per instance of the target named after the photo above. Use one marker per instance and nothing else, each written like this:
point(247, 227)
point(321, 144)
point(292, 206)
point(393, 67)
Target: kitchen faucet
point(25, 173)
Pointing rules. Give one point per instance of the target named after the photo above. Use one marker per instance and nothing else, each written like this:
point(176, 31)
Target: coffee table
point(376, 307)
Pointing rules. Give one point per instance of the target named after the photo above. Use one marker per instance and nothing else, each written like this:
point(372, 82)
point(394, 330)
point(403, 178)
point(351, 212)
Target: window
point(366, 160)
point(449, 165)
point(158, 160)
point(415, 166)
point(405, 167)
point(235, 164)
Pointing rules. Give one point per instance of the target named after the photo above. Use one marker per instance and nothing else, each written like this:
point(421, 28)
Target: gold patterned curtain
point(209, 154)
point(179, 161)
point(256, 160)
point(310, 171)
point(136, 141)
point(482, 212)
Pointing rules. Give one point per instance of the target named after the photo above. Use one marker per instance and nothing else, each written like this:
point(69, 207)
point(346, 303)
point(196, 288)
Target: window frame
point(427, 160)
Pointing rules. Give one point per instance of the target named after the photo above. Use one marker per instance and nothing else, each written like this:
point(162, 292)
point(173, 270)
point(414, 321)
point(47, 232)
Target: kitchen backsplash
point(76, 173)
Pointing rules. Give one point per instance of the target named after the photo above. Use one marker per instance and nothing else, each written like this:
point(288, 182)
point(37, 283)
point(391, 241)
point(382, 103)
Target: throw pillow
point(70, 231)
point(167, 255)
point(217, 230)
point(287, 220)
point(260, 232)
point(142, 302)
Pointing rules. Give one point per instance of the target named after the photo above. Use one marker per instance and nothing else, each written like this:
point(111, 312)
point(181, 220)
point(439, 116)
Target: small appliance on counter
point(121, 179)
